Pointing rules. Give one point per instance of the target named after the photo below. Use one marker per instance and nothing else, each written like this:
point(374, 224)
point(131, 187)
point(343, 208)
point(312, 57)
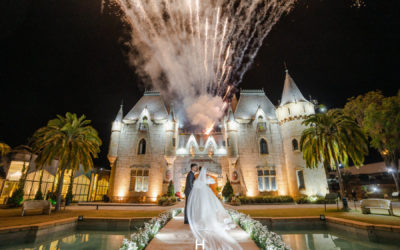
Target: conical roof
point(120, 114)
point(153, 102)
point(291, 92)
point(250, 100)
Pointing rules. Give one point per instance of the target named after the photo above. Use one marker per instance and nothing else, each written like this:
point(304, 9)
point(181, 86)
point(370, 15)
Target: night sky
point(63, 55)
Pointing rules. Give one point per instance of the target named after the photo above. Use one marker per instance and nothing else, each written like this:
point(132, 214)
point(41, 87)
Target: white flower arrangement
point(259, 233)
point(143, 236)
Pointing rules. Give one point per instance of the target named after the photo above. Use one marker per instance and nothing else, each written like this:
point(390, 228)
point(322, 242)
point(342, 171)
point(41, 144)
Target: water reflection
point(327, 240)
point(78, 240)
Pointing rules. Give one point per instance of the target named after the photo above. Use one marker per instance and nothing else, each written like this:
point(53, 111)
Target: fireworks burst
point(192, 49)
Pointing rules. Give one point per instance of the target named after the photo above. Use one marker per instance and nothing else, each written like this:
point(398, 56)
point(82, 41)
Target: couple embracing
point(205, 214)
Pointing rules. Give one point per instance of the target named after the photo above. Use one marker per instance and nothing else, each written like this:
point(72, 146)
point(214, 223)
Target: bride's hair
point(200, 168)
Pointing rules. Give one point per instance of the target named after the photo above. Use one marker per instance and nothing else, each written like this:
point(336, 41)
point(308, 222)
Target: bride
point(207, 217)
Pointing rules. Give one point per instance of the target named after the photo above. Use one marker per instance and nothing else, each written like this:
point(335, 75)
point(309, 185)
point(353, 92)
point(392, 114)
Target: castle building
point(256, 145)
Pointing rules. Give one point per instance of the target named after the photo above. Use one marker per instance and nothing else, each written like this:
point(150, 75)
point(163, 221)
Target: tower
point(171, 134)
point(115, 134)
point(114, 143)
point(292, 111)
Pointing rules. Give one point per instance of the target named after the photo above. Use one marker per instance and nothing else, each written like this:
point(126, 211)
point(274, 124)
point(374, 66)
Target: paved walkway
point(176, 235)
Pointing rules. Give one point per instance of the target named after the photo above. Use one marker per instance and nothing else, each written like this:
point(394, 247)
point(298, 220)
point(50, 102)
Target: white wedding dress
point(207, 217)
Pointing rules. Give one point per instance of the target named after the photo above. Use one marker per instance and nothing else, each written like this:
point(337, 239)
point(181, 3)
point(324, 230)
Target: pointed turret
point(231, 118)
point(171, 115)
point(115, 133)
point(291, 93)
point(116, 126)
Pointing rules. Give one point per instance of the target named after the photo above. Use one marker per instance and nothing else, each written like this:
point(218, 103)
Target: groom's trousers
point(186, 218)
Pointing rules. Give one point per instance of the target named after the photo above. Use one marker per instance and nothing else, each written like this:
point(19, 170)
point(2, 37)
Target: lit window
point(300, 179)
point(263, 147)
point(142, 147)
point(295, 145)
point(144, 125)
point(266, 180)
point(139, 180)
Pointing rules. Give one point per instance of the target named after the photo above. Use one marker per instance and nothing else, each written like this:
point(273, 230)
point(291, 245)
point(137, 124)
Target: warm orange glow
point(208, 131)
point(250, 193)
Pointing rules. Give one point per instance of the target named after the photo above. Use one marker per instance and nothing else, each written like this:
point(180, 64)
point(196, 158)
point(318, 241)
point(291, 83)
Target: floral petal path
point(176, 235)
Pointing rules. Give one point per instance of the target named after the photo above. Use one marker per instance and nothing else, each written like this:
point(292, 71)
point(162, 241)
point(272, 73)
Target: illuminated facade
point(89, 186)
point(256, 145)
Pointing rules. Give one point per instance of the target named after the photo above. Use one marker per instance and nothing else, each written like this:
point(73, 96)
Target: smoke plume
point(196, 51)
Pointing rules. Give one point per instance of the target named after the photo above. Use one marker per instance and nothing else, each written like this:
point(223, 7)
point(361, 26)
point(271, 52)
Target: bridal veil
point(207, 217)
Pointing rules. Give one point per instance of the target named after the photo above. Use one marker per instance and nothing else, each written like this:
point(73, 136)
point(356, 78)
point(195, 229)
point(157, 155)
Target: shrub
point(171, 189)
point(235, 201)
point(302, 199)
point(52, 196)
point(227, 191)
point(166, 201)
point(16, 198)
point(39, 194)
point(313, 199)
point(69, 196)
point(265, 199)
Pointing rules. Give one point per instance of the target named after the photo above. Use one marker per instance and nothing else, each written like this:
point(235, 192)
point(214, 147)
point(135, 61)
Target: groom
point(189, 185)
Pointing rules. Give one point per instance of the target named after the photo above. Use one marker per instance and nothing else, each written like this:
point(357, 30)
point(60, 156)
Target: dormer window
point(144, 125)
point(261, 124)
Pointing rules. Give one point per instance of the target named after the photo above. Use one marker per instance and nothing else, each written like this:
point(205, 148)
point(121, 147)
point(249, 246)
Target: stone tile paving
point(176, 235)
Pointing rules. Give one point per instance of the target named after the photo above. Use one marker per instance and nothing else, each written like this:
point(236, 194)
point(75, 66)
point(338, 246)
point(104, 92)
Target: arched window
point(142, 147)
point(263, 147)
point(295, 145)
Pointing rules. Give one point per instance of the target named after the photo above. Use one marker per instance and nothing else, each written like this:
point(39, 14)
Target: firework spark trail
point(191, 50)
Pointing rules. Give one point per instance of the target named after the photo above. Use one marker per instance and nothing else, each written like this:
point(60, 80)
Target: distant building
point(90, 186)
point(256, 144)
point(371, 179)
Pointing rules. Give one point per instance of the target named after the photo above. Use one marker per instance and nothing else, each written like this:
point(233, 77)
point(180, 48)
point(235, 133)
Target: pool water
point(329, 239)
point(77, 240)
point(296, 239)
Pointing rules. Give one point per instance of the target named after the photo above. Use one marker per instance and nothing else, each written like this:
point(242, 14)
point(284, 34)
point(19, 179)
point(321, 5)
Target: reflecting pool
point(297, 239)
point(329, 239)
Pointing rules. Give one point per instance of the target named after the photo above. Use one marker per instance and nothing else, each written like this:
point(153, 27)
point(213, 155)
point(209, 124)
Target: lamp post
point(394, 174)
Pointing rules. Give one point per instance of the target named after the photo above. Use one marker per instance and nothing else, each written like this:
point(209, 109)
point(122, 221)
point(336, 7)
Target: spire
point(116, 125)
point(171, 115)
point(231, 118)
point(120, 114)
point(291, 92)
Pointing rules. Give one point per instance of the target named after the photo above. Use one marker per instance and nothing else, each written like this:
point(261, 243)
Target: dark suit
point(188, 188)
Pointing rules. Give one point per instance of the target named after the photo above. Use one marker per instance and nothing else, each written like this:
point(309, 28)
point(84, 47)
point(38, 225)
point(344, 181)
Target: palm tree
point(69, 140)
point(331, 139)
point(4, 149)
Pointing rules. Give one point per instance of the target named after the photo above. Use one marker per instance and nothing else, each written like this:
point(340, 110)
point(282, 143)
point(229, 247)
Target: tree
point(171, 189)
point(379, 117)
point(331, 139)
point(39, 194)
point(227, 191)
point(18, 195)
point(69, 140)
point(70, 196)
point(4, 149)
point(382, 123)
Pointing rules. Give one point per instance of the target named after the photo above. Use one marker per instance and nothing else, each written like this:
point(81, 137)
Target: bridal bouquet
point(259, 233)
point(143, 236)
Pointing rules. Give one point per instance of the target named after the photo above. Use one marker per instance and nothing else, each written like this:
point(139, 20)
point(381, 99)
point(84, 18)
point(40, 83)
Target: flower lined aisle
point(264, 238)
point(142, 238)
